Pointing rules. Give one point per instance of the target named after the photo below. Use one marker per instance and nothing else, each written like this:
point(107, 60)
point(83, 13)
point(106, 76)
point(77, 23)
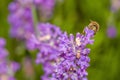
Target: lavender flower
point(73, 58)
point(7, 69)
point(45, 7)
point(62, 56)
point(2, 42)
point(3, 51)
point(111, 32)
point(47, 36)
point(115, 5)
point(14, 66)
point(47, 43)
point(20, 19)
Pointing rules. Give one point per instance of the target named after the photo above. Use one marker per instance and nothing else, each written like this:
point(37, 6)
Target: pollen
point(78, 55)
point(45, 38)
point(78, 43)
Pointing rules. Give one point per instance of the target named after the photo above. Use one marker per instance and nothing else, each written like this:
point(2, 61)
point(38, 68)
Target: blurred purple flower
point(14, 66)
point(3, 51)
point(20, 19)
point(2, 42)
point(115, 5)
point(111, 32)
point(45, 7)
point(7, 68)
point(47, 43)
point(46, 37)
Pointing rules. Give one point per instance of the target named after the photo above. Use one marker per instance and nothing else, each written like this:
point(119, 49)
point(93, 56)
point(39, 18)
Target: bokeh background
point(72, 16)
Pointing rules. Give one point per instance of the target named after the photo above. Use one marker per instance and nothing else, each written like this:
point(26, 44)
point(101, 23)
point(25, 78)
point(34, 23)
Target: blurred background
point(72, 16)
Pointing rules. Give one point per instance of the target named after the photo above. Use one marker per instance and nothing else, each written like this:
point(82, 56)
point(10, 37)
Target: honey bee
point(94, 26)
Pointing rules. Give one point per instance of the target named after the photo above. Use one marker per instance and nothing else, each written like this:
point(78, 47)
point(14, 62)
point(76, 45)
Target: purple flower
point(111, 32)
point(46, 37)
point(11, 78)
point(15, 66)
point(3, 51)
point(45, 4)
point(63, 57)
point(45, 7)
point(20, 19)
point(46, 41)
point(2, 42)
point(7, 68)
point(48, 46)
point(73, 58)
point(115, 5)
point(3, 67)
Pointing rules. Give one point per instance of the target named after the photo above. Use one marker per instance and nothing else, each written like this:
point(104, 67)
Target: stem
point(35, 19)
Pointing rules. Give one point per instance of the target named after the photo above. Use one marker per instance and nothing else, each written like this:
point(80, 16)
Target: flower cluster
point(45, 7)
point(7, 69)
point(73, 58)
point(47, 43)
point(62, 56)
point(21, 17)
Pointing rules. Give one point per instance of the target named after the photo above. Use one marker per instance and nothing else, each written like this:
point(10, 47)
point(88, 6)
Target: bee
point(94, 26)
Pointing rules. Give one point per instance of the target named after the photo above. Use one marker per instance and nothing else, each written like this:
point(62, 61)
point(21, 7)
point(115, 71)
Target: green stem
point(35, 19)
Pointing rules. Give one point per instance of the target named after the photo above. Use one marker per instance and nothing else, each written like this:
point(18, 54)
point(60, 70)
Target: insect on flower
point(94, 26)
